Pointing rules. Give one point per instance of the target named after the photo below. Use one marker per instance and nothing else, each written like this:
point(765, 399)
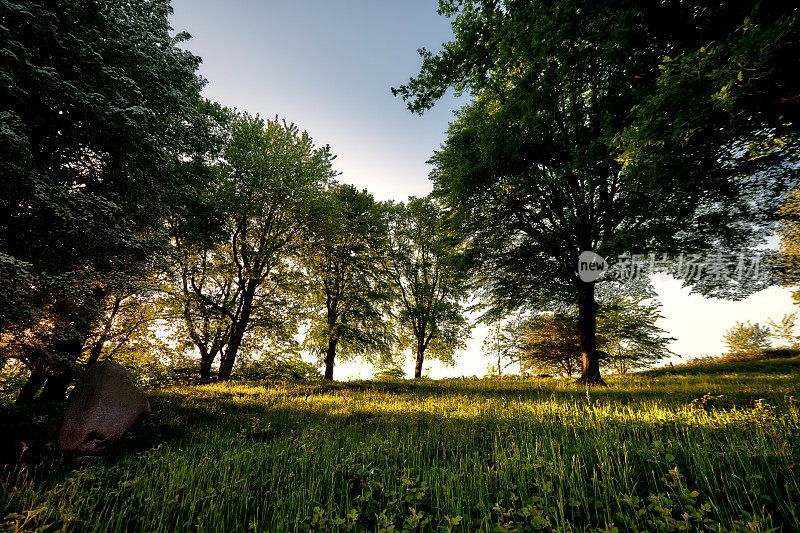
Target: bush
point(389, 374)
point(746, 340)
point(781, 353)
point(153, 367)
point(294, 369)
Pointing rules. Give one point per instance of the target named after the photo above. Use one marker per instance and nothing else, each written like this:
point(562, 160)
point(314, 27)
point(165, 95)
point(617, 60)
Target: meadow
point(706, 448)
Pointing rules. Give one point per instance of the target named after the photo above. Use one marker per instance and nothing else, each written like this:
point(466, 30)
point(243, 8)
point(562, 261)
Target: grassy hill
point(712, 448)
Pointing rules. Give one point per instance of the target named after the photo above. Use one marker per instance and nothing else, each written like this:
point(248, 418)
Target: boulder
point(104, 404)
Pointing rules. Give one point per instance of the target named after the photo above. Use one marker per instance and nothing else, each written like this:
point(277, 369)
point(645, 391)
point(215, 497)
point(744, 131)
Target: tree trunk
point(329, 358)
point(587, 331)
point(31, 387)
point(229, 355)
point(55, 389)
point(97, 347)
point(206, 360)
point(94, 353)
point(238, 329)
point(420, 359)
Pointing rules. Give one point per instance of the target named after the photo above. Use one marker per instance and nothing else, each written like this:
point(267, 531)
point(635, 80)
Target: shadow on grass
point(263, 414)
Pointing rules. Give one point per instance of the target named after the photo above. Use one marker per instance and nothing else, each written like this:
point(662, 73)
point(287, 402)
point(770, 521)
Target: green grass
point(691, 449)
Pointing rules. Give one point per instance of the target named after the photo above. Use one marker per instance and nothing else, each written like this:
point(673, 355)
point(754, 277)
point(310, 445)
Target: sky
point(328, 66)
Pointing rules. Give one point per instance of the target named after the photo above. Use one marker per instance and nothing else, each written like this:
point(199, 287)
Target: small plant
point(707, 401)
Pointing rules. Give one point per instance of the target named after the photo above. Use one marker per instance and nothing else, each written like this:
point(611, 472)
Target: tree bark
point(55, 389)
point(229, 355)
point(420, 359)
point(31, 387)
point(329, 358)
point(238, 329)
point(587, 331)
point(94, 353)
point(206, 360)
point(97, 347)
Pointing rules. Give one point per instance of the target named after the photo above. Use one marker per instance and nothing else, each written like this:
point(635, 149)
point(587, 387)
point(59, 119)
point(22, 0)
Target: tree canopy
point(263, 187)
point(349, 296)
point(746, 339)
point(98, 103)
point(421, 264)
point(542, 166)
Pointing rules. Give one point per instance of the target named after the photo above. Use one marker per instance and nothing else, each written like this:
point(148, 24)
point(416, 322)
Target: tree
point(501, 343)
point(727, 102)
point(549, 340)
point(631, 339)
point(349, 295)
point(240, 287)
point(784, 330)
point(543, 166)
point(420, 262)
point(201, 277)
point(746, 339)
point(128, 316)
point(549, 343)
point(98, 105)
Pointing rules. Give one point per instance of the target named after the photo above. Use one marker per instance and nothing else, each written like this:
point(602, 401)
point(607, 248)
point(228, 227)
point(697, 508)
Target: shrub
point(389, 374)
point(746, 340)
point(289, 369)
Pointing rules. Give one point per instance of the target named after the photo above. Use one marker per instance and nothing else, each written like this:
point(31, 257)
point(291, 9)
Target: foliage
point(349, 295)
point(130, 315)
point(784, 331)
point(501, 344)
point(392, 373)
point(234, 290)
point(560, 151)
point(726, 107)
point(97, 107)
point(153, 365)
point(421, 264)
point(746, 339)
point(276, 369)
point(549, 342)
point(787, 260)
point(627, 326)
point(13, 376)
point(712, 448)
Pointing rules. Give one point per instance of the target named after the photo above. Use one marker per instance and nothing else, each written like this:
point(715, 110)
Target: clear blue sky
point(328, 66)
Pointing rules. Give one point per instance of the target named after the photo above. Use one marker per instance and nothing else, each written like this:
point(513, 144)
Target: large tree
point(545, 163)
point(98, 104)
point(421, 263)
point(242, 282)
point(349, 295)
